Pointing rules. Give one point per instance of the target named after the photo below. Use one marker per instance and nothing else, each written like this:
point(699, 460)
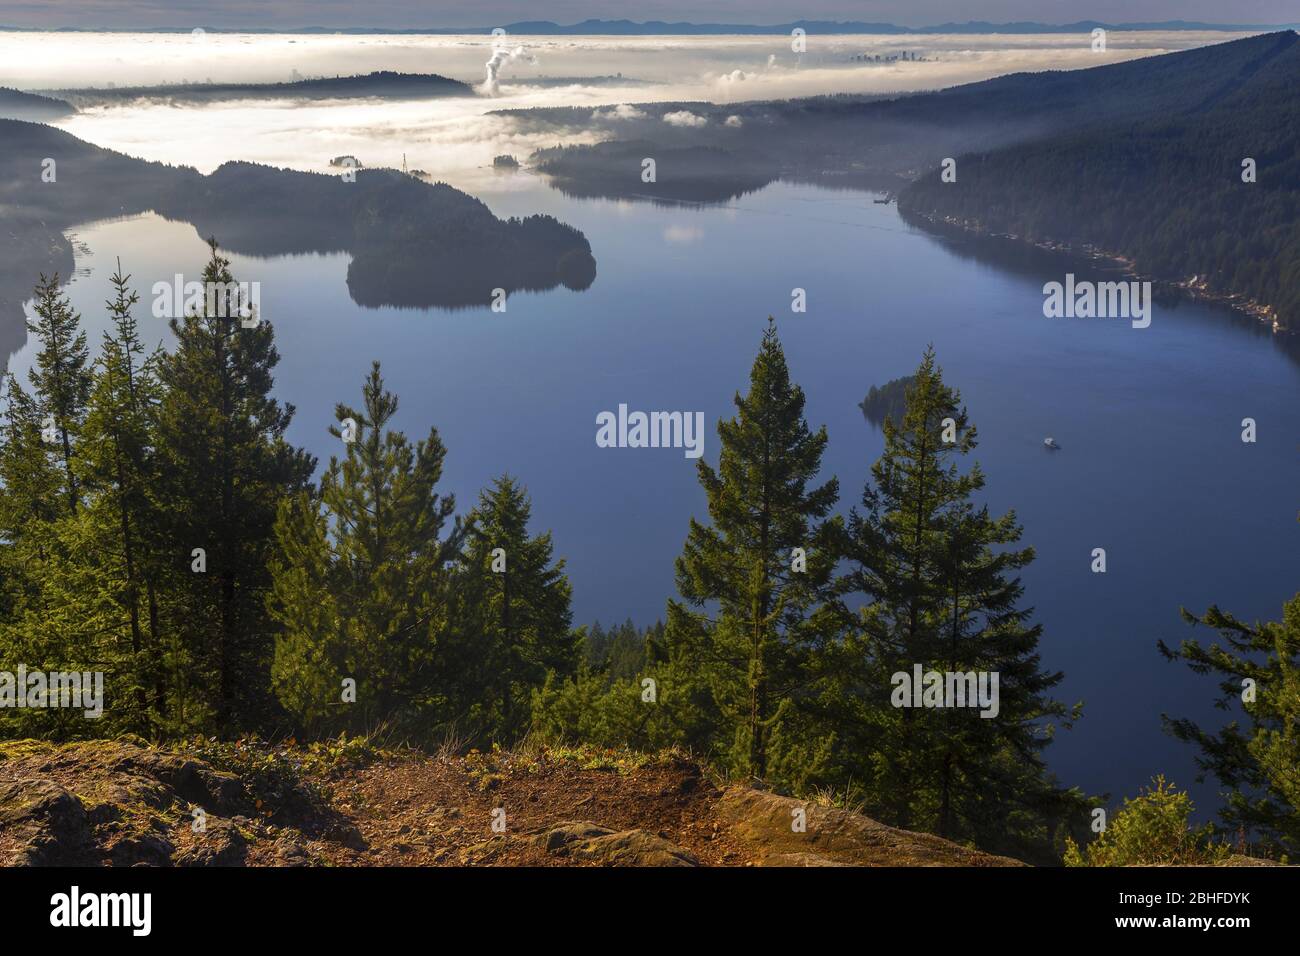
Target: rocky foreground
point(125, 803)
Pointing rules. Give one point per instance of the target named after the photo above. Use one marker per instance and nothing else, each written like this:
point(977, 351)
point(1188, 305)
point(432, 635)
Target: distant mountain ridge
point(381, 84)
point(661, 28)
point(594, 27)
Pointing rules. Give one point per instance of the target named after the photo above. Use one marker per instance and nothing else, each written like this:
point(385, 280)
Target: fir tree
point(32, 495)
point(359, 583)
point(513, 620)
point(938, 576)
point(763, 563)
point(224, 466)
point(1259, 670)
point(117, 468)
point(61, 376)
point(31, 504)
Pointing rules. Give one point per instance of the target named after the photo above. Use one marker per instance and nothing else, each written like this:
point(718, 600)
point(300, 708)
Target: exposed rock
point(142, 849)
point(192, 780)
point(586, 842)
point(591, 842)
point(481, 854)
point(47, 824)
point(566, 833)
point(633, 848)
point(763, 823)
point(221, 844)
point(290, 851)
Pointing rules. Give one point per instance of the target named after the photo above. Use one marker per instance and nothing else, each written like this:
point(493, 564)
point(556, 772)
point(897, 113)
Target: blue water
point(1152, 467)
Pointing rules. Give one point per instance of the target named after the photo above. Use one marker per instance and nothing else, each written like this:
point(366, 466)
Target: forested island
point(412, 243)
point(886, 401)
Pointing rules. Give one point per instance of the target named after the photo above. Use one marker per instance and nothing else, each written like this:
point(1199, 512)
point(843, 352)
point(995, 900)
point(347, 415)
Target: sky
point(399, 14)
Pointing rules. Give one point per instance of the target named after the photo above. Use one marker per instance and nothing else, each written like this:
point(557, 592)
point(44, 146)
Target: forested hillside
point(15, 104)
point(1171, 194)
point(382, 84)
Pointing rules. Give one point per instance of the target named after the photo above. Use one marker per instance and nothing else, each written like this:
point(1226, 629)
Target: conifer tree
point(513, 619)
point(938, 577)
point(753, 580)
point(41, 497)
point(1258, 667)
point(31, 504)
point(61, 376)
point(359, 581)
point(224, 465)
point(32, 496)
point(117, 468)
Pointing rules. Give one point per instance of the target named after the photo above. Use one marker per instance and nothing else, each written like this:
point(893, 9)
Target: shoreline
point(1194, 289)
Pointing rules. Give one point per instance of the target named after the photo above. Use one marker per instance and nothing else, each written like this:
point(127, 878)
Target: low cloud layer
point(455, 138)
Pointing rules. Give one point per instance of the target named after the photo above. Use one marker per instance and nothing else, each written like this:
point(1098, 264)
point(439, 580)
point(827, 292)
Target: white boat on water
point(1051, 443)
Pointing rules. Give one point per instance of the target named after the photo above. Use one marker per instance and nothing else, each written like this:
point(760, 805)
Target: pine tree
point(224, 465)
point(60, 377)
point(1259, 764)
point(513, 619)
point(764, 562)
point(31, 504)
point(359, 583)
point(117, 468)
point(40, 505)
point(32, 498)
point(939, 580)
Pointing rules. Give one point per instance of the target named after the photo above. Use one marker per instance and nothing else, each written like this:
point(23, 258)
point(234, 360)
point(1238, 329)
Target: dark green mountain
point(1162, 188)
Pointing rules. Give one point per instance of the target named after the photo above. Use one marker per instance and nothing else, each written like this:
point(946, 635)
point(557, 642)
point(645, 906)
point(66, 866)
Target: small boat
point(1051, 443)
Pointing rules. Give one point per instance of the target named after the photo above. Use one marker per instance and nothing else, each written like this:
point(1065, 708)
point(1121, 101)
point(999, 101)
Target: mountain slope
point(1165, 191)
point(15, 104)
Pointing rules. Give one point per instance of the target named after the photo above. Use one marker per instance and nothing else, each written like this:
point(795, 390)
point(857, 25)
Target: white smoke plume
point(500, 57)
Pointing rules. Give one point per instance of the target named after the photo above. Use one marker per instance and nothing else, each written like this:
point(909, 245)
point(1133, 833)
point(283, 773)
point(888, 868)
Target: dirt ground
point(415, 812)
point(247, 803)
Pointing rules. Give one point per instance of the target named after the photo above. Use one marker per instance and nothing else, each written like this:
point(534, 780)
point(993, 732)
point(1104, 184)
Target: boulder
point(763, 822)
point(221, 844)
point(592, 843)
point(47, 824)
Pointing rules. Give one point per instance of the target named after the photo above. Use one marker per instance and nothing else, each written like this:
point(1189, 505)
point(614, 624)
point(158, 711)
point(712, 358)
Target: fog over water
point(451, 138)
